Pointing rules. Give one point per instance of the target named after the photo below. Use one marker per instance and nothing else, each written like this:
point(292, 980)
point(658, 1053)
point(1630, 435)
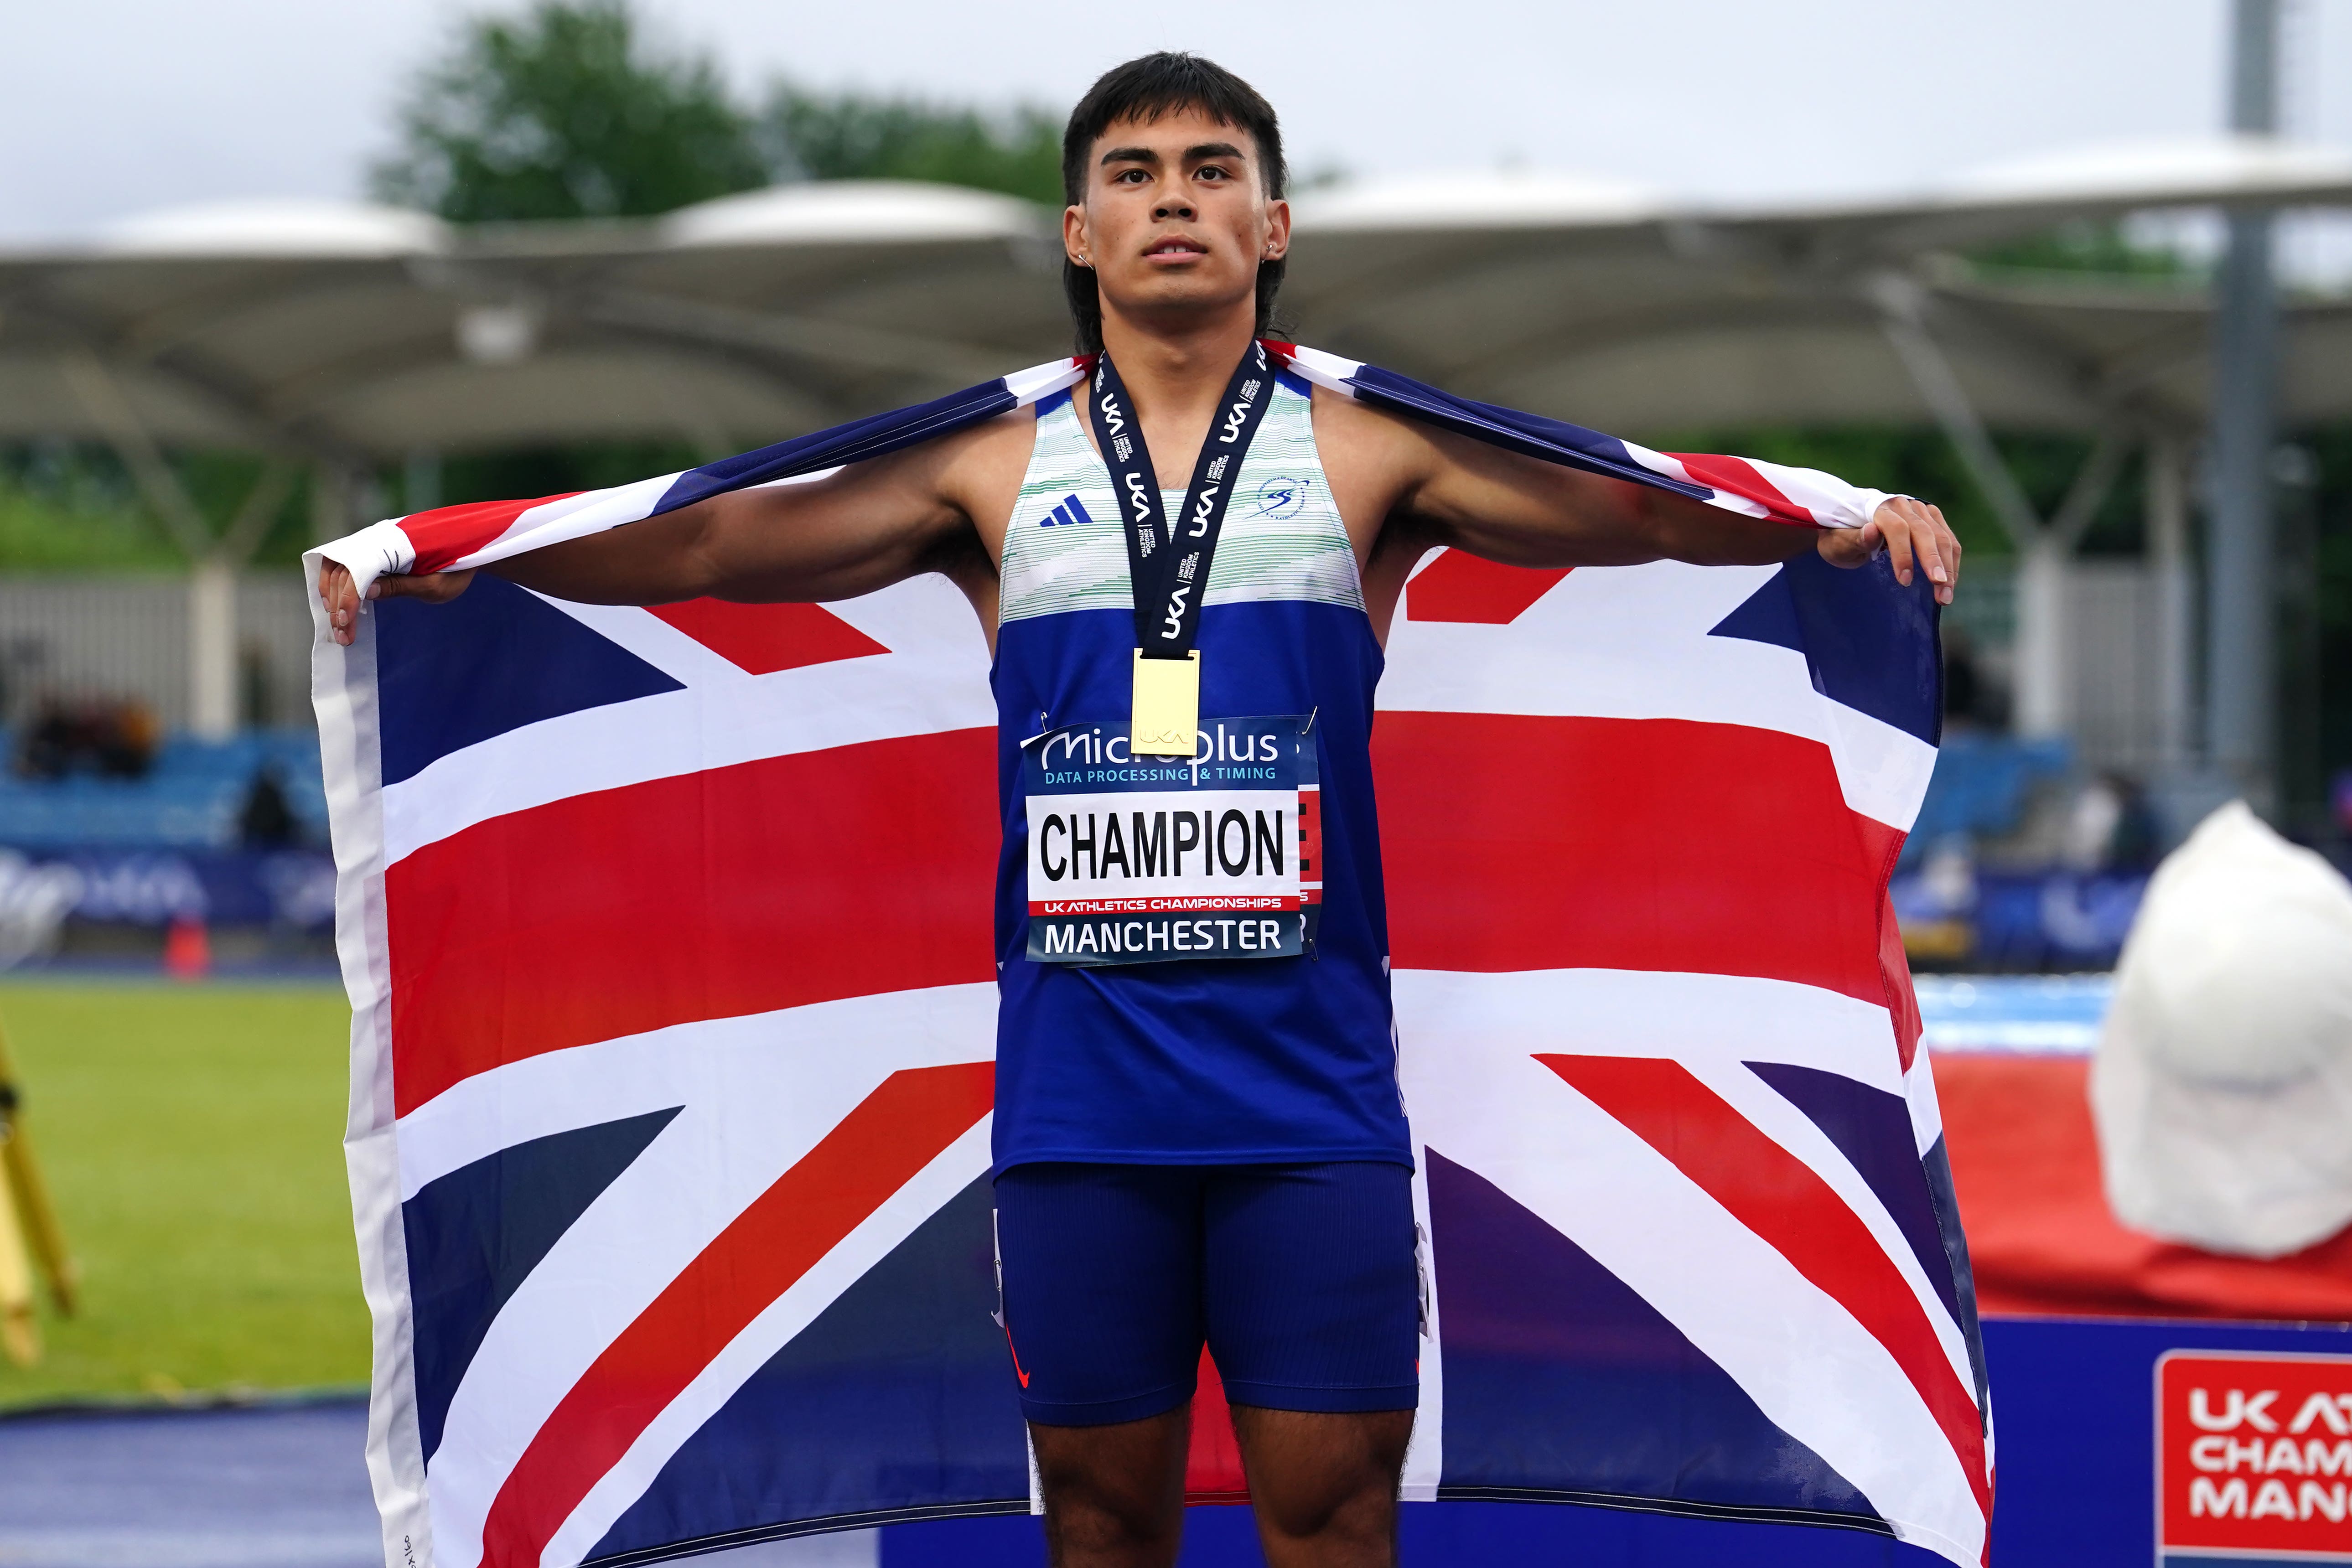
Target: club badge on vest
point(1143, 859)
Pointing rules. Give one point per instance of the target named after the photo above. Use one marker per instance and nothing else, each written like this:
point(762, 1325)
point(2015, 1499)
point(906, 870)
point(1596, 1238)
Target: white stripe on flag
point(1044, 380)
point(1714, 1025)
point(1919, 1094)
point(959, 1165)
point(757, 1094)
point(1809, 1366)
point(572, 517)
point(934, 678)
point(1425, 1459)
point(1632, 642)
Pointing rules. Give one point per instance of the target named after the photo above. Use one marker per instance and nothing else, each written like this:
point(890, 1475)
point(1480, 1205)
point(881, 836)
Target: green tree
point(566, 112)
point(2098, 248)
point(812, 135)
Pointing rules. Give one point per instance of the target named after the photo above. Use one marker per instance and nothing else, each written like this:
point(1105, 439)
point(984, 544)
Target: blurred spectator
point(267, 821)
point(2340, 795)
point(115, 740)
point(1970, 701)
point(2109, 827)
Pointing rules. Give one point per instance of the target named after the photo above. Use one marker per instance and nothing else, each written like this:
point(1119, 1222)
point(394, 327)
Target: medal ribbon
point(1170, 566)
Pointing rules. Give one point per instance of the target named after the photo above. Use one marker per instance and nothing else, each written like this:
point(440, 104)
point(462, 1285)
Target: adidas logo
point(1069, 512)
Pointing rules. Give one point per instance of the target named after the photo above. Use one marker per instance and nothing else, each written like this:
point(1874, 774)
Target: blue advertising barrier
point(282, 888)
point(2020, 919)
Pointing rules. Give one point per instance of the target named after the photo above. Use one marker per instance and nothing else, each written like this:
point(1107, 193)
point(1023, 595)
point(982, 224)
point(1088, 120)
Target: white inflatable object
point(2222, 1087)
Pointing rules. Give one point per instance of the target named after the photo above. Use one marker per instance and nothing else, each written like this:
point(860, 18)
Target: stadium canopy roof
point(362, 332)
point(358, 334)
point(1624, 310)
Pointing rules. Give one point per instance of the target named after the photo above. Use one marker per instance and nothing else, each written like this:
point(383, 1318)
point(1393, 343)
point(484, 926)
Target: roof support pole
point(2242, 697)
point(2167, 529)
point(212, 649)
point(212, 605)
point(2043, 675)
point(212, 582)
point(213, 562)
point(1900, 303)
point(102, 398)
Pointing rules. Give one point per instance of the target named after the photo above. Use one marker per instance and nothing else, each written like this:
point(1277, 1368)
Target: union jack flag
point(668, 938)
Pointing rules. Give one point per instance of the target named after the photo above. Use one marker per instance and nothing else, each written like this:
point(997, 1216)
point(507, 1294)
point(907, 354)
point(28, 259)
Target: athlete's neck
point(1175, 374)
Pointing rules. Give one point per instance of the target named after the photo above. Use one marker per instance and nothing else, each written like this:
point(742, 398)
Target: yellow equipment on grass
point(29, 1233)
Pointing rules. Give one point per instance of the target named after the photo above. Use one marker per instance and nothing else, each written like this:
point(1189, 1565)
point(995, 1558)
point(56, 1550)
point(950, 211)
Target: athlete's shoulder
point(979, 470)
point(992, 440)
point(1373, 458)
point(1364, 431)
point(987, 454)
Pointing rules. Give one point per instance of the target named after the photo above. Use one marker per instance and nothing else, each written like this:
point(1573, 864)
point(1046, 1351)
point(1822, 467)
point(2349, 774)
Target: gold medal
point(1167, 712)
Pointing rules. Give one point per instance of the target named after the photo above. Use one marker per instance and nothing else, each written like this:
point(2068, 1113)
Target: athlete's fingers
point(1947, 545)
point(1895, 522)
point(1926, 535)
point(340, 595)
point(432, 587)
point(1848, 548)
point(341, 605)
point(1929, 534)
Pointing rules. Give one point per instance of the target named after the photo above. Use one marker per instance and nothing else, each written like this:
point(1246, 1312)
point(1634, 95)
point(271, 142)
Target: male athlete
point(1203, 1140)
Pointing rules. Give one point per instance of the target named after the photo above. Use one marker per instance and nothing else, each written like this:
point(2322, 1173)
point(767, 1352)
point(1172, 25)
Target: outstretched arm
point(1438, 488)
point(857, 529)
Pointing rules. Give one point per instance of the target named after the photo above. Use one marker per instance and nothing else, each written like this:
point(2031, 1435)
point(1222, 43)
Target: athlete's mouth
point(1174, 247)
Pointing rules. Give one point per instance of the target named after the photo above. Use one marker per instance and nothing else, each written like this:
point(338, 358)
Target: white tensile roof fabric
point(365, 333)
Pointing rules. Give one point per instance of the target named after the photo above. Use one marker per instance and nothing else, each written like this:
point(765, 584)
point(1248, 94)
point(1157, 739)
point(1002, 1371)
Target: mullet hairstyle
point(1142, 90)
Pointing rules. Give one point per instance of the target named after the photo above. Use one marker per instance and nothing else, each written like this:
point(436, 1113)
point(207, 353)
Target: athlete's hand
point(343, 601)
point(1908, 531)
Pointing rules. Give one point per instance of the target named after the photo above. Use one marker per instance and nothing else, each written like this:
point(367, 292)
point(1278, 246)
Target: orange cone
point(187, 950)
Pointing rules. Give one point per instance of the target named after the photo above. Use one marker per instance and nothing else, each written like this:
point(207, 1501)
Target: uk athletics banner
point(667, 936)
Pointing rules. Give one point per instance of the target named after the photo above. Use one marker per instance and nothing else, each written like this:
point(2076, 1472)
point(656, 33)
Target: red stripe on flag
point(761, 639)
point(1460, 586)
point(1742, 479)
point(768, 884)
point(1884, 845)
point(1213, 1456)
point(1799, 1216)
point(1515, 842)
point(877, 1149)
point(447, 533)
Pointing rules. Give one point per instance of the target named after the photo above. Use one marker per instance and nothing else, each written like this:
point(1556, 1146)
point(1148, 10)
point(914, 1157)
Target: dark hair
point(1143, 90)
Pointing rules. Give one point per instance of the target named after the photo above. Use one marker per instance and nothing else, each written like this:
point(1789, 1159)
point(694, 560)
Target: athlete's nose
point(1174, 209)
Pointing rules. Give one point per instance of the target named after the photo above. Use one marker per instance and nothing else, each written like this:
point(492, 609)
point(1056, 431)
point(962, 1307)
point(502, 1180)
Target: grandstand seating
point(191, 799)
point(1981, 786)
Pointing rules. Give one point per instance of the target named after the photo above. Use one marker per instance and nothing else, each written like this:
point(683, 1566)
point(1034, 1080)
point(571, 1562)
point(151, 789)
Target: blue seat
point(191, 799)
point(1980, 785)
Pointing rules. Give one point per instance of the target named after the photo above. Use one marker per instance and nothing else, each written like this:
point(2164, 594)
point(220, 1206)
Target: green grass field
point(192, 1136)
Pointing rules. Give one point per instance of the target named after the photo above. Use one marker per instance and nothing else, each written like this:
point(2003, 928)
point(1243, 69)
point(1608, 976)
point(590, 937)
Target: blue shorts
point(1302, 1279)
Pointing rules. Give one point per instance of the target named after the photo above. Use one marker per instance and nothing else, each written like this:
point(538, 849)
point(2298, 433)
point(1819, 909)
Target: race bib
point(1154, 859)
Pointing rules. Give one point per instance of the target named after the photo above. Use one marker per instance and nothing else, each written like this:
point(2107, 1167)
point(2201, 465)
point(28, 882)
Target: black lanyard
point(1170, 567)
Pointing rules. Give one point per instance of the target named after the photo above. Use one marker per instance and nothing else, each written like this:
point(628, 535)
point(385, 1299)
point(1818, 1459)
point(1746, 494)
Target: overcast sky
point(113, 106)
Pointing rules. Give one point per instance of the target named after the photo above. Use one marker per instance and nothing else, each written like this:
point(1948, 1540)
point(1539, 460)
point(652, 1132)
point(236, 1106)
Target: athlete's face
point(1176, 217)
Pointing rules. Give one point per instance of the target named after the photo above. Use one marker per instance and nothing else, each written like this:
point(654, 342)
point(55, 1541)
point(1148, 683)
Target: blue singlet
point(1192, 1062)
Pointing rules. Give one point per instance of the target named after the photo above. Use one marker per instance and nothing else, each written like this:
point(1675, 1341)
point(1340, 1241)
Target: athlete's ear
point(1074, 242)
point(1277, 229)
